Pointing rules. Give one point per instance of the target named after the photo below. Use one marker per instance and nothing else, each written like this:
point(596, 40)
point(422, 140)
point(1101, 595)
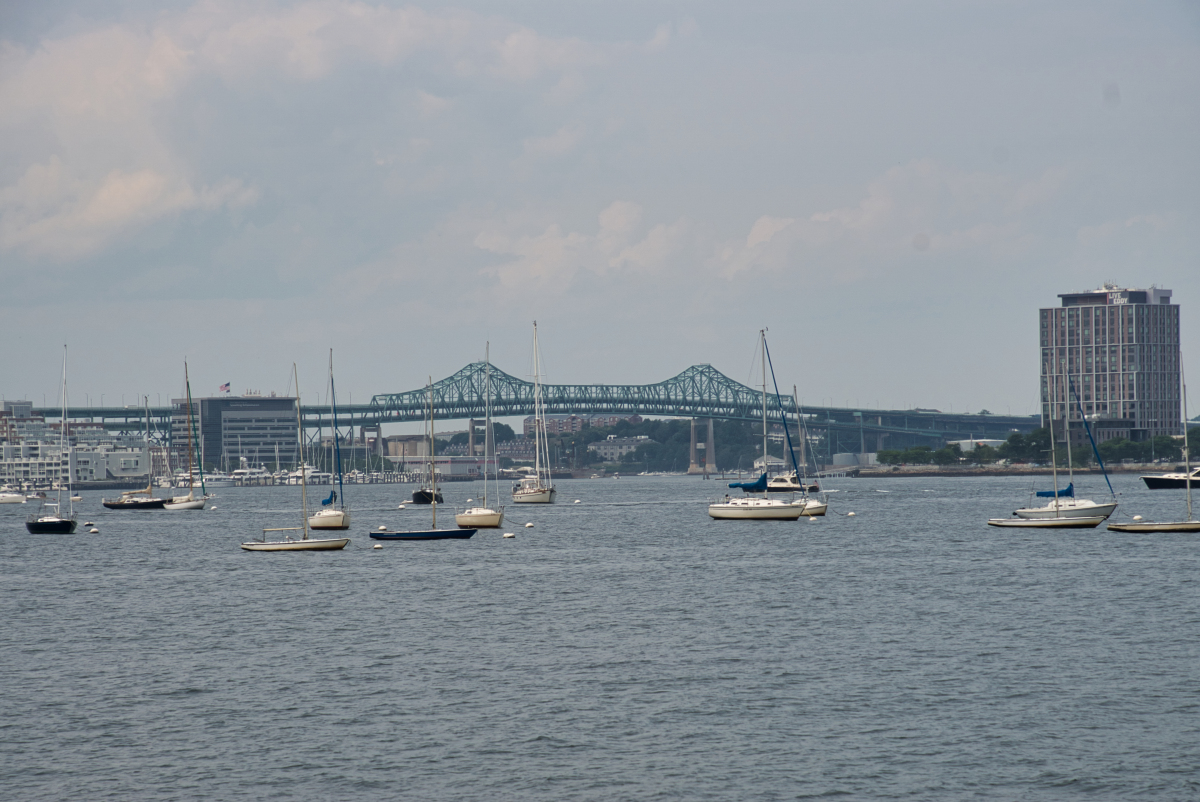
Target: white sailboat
point(483, 516)
point(49, 520)
point(335, 515)
point(764, 508)
point(189, 502)
point(537, 489)
point(305, 543)
point(1059, 515)
point(1064, 504)
point(1191, 524)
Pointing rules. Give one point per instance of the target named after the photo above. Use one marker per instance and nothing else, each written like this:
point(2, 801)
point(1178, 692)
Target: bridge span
point(701, 391)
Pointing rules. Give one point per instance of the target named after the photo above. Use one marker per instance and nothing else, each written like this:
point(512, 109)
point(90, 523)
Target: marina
point(909, 628)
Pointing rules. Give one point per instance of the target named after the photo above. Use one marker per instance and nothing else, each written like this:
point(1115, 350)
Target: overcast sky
point(893, 188)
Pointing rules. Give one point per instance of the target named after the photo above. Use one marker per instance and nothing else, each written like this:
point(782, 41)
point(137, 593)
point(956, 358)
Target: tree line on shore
point(1035, 447)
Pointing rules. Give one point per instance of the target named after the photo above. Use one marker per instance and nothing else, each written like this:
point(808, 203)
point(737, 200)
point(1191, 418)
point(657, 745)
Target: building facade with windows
point(230, 428)
point(1111, 354)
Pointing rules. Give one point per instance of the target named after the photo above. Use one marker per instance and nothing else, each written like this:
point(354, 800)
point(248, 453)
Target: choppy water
point(626, 647)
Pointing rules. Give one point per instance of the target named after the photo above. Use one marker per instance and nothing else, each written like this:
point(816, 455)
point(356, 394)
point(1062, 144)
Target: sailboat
point(49, 520)
point(139, 499)
point(1191, 524)
point(537, 488)
point(189, 502)
point(484, 517)
point(428, 493)
point(335, 515)
point(434, 533)
point(1063, 503)
point(762, 508)
point(305, 543)
point(1058, 517)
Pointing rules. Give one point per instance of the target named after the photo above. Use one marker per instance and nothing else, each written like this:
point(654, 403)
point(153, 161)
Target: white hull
point(312, 544)
point(479, 518)
point(12, 498)
point(188, 502)
point(814, 509)
point(759, 509)
point(330, 519)
point(1166, 526)
point(1068, 508)
point(1078, 522)
point(542, 495)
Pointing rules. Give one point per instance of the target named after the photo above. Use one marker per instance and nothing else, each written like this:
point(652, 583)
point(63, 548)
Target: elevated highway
point(701, 391)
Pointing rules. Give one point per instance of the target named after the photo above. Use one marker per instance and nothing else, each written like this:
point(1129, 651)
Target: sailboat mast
point(1053, 459)
point(432, 471)
point(300, 440)
point(188, 384)
point(1187, 465)
point(62, 443)
point(538, 423)
point(337, 448)
point(487, 415)
point(762, 337)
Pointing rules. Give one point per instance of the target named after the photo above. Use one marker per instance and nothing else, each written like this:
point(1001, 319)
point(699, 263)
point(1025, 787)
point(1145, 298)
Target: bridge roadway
point(701, 391)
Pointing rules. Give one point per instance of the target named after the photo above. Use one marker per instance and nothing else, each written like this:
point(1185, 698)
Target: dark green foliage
point(738, 444)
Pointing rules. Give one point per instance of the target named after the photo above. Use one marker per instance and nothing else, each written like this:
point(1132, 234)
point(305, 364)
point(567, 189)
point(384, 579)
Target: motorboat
point(790, 483)
point(1180, 479)
point(9, 497)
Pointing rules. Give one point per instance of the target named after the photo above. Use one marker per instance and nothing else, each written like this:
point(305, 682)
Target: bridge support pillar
point(694, 466)
point(471, 437)
point(710, 451)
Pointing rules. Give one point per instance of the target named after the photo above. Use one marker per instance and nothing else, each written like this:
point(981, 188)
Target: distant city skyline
point(894, 190)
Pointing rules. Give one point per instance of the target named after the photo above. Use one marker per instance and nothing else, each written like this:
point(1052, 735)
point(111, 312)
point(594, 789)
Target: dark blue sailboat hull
point(431, 534)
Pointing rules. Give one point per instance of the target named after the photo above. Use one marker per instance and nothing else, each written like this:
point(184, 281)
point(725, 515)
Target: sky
point(892, 189)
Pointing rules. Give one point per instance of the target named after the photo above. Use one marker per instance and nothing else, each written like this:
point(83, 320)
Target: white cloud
point(922, 206)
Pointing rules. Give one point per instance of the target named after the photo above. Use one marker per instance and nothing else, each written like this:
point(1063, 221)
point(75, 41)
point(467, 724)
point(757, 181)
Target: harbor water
point(625, 647)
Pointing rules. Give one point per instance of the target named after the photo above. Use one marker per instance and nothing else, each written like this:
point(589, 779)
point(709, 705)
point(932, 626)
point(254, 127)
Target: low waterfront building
point(613, 448)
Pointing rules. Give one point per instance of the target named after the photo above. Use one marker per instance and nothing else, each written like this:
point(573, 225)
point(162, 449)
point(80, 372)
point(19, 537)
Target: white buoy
point(849, 515)
point(576, 501)
point(383, 529)
point(400, 507)
point(509, 534)
point(378, 546)
point(94, 531)
point(470, 500)
point(529, 526)
point(1137, 517)
point(88, 523)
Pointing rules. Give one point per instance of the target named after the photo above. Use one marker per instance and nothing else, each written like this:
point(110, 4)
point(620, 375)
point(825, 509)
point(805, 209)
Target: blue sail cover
point(1068, 492)
point(752, 487)
point(330, 500)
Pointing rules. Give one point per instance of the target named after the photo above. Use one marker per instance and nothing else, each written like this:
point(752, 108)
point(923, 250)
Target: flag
point(224, 387)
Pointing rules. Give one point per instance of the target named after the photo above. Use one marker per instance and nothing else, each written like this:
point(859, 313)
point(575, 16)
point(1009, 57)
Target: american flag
point(224, 388)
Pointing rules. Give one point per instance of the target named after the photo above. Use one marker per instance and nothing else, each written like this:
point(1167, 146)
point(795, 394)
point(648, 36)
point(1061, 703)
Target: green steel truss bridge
point(701, 391)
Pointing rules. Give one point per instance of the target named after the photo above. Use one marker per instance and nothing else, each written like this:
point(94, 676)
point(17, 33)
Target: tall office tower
point(1115, 353)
